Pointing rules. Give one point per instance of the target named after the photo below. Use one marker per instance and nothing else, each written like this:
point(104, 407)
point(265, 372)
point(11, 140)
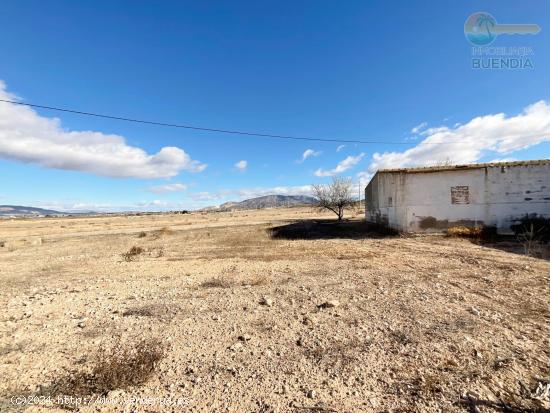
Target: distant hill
point(268, 201)
point(17, 210)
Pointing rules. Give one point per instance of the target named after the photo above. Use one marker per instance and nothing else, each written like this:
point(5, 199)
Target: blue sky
point(353, 70)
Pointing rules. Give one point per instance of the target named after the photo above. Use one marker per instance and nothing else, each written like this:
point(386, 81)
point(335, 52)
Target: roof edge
point(465, 166)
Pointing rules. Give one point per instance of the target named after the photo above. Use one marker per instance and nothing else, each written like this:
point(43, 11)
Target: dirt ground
point(212, 313)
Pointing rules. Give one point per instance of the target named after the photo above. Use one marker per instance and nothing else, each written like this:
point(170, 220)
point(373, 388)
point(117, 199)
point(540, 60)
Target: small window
point(390, 201)
point(460, 194)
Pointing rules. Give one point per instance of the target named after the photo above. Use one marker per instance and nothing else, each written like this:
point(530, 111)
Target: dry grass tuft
point(166, 231)
point(133, 253)
point(480, 233)
point(142, 234)
point(257, 280)
point(461, 231)
point(161, 311)
point(216, 282)
point(112, 368)
point(339, 356)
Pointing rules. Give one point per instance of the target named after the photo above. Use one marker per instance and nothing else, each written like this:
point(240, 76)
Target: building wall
point(435, 200)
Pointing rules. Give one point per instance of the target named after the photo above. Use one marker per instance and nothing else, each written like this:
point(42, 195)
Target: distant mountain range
point(17, 210)
point(268, 201)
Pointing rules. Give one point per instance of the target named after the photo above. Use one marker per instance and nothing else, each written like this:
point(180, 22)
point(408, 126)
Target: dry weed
point(112, 368)
point(133, 253)
point(257, 280)
point(339, 355)
point(161, 311)
point(216, 282)
point(166, 231)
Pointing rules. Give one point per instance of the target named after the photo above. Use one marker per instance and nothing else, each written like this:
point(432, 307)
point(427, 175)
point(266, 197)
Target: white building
point(435, 198)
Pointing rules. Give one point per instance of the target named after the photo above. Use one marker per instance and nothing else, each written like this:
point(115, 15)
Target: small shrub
point(133, 253)
point(162, 311)
point(480, 233)
point(116, 367)
point(534, 224)
point(159, 252)
point(257, 280)
point(166, 231)
point(216, 282)
point(142, 234)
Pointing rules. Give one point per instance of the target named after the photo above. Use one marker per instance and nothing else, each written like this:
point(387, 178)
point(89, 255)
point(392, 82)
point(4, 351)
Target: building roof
point(426, 169)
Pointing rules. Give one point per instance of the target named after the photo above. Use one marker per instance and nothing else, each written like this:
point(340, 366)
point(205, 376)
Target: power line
point(228, 131)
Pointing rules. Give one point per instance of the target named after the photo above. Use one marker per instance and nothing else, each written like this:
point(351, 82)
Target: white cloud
point(364, 177)
point(466, 143)
point(245, 193)
point(241, 165)
point(162, 189)
point(153, 203)
point(342, 166)
point(503, 160)
point(340, 147)
point(309, 153)
point(28, 137)
point(419, 128)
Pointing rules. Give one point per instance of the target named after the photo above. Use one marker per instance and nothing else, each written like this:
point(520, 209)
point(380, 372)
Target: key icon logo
point(481, 29)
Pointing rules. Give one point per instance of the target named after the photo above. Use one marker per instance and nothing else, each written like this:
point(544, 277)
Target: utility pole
point(359, 184)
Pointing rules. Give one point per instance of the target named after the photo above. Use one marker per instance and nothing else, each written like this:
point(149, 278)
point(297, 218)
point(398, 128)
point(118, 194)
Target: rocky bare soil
point(209, 313)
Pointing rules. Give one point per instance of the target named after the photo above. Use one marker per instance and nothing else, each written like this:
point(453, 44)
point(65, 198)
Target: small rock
point(475, 311)
point(236, 347)
point(245, 337)
point(329, 304)
point(311, 394)
point(266, 301)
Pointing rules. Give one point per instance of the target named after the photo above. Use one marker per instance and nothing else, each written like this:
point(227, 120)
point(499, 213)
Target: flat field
point(220, 312)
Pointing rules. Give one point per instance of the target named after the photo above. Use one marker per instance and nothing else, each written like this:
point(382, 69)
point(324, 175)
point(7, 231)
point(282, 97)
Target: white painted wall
point(421, 201)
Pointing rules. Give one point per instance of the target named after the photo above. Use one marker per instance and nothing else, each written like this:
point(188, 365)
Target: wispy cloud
point(495, 134)
point(342, 166)
point(340, 147)
point(419, 128)
point(309, 153)
point(241, 165)
point(162, 189)
point(28, 137)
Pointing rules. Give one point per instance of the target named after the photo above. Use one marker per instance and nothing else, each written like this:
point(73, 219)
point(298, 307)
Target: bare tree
point(334, 196)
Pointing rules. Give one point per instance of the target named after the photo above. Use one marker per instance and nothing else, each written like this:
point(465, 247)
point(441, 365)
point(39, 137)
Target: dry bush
point(481, 233)
point(216, 282)
point(162, 311)
point(166, 231)
point(112, 368)
point(340, 356)
point(156, 252)
point(533, 226)
point(133, 253)
point(460, 231)
point(257, 280)
point(142, 234)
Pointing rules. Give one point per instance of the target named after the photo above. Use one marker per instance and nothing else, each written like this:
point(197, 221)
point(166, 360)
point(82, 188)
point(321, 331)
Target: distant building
point(434, 198)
